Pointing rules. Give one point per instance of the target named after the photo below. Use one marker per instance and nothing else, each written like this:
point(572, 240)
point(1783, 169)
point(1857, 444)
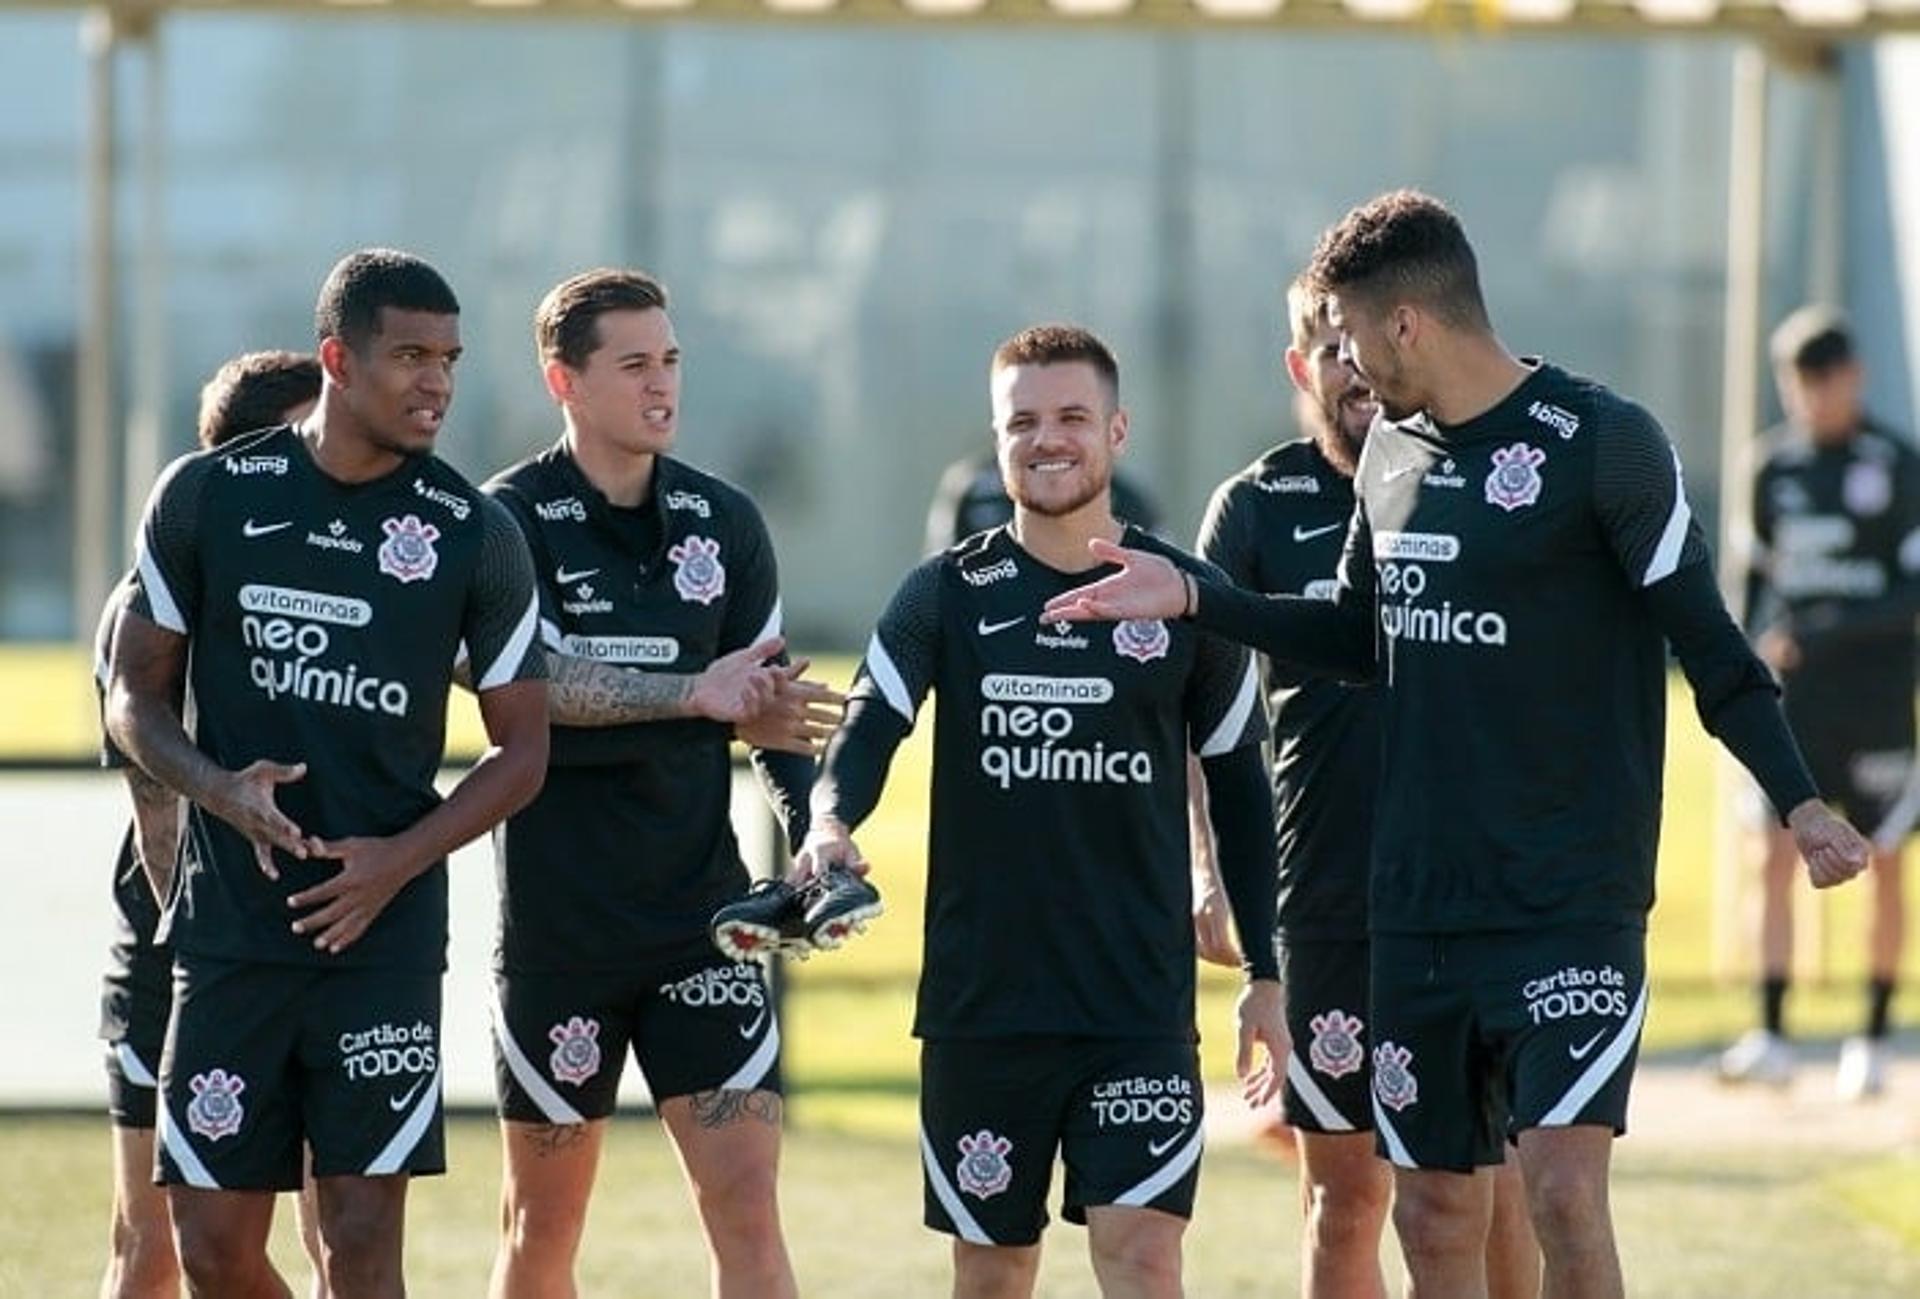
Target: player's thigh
point(991, 1117)
point(371, 1056)
point(559, 1042)
point(1329, 1084)
point(706, 1029)
point(1135, 1129)
point(1341, 1172)
point(1437, 1098)
point(1568, 1007)
point(230, 1086)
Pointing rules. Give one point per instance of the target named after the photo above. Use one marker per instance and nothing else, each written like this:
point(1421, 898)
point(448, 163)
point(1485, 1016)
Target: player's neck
point(1060, 540)
point(340, 446)
point(1479, 373)
point(625, 478)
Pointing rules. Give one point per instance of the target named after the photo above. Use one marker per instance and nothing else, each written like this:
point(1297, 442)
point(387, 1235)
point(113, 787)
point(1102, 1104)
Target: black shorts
point(1479, 1037)
point(560, 1040)
point(1127, 1118)
point(261, 1057)
point(1329, 1081)
point(133, 1022)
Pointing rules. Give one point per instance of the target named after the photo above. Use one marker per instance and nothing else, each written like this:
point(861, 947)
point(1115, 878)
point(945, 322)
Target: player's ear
point(559, 381)
point(1296, 362)
point(1404, 323)
point(333, 353)
point(1117, 430)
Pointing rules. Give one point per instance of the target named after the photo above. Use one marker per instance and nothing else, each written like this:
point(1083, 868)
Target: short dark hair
point(1812, 340)
point(566, 324)
point(362, 283)
point(1306, 312)
point(1059, 345)
point(254, 391)
point(1407, 246)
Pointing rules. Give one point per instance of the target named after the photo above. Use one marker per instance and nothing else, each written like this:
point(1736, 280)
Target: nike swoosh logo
point(400, 1102)
point(1308, 534)
point(1580, 1052)
point(564, 578)
point(252, 529)
point(1399, 471)
point(1155, 1149)
point(986, 628)
point(750, 1031)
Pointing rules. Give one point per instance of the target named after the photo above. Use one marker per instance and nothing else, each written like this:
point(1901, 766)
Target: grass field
point(1752, 1225)
point(1749, 1221)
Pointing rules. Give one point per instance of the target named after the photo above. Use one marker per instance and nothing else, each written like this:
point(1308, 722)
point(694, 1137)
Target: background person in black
point(607, 880)
point(1278, 526)
point(1056, 993)
point(1518, 605)
point(252, 391)
point(1833, 589)
point(323, 613)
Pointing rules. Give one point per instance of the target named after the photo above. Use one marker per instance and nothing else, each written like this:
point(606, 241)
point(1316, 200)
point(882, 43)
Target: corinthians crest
point(1141, 639)
point(407, 554)
point(698, 574)
point(1515, 478)
point(983, 1170)
point(1335, 1050)
point(1393, 1080)
point(576, 1050)
point(215, 1110)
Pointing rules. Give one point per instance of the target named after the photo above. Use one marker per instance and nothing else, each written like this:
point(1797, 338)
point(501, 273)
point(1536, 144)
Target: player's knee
point(360, 1243)
point(742, 1202)
point(1347, 1211)
point(143, 1257)
point(1432, 1217)
point(216, 1260)
point(990, 1271)
point(1148, 1255)
point(1569, 1208)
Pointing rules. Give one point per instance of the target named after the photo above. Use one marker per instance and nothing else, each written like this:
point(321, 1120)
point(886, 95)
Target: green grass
point(1752, 1224)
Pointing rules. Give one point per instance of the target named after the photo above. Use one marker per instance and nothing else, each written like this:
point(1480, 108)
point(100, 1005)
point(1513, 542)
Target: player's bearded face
point(1343, 405)
point(399, 382)
point(1056, 433)
point(628, 392)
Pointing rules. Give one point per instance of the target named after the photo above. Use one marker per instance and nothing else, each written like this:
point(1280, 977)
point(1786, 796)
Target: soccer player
point(1056, 1002)
point(1519, 556)
point(1278, 526)
point(312, 585)
point(607, 880)
point(253, 391)
point(1833, 588)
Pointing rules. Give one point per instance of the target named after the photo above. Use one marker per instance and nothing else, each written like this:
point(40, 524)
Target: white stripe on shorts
point(531, 1080)
point(132, 1067)
point(181, 1152)
point(963, 1222)
point(1603, 1067)
point(1396, 1148)
point(395, 1155)
point(1324, 1111)
point(1156, 1184)
point(751, 1074)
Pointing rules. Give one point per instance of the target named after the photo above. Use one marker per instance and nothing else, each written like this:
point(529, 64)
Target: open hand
point(371, 872)
point(248, 806)
point(1147, 586)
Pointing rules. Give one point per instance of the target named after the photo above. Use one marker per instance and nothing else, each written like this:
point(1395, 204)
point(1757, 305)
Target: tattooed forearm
point(555, 1138)
point(156, 825)
point(716, 1109)
point(583, 693)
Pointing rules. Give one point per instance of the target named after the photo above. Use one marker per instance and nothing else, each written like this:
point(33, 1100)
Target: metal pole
point(1739, 414)
point(93, 539)
point(148, 400)
point(1827, 247)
